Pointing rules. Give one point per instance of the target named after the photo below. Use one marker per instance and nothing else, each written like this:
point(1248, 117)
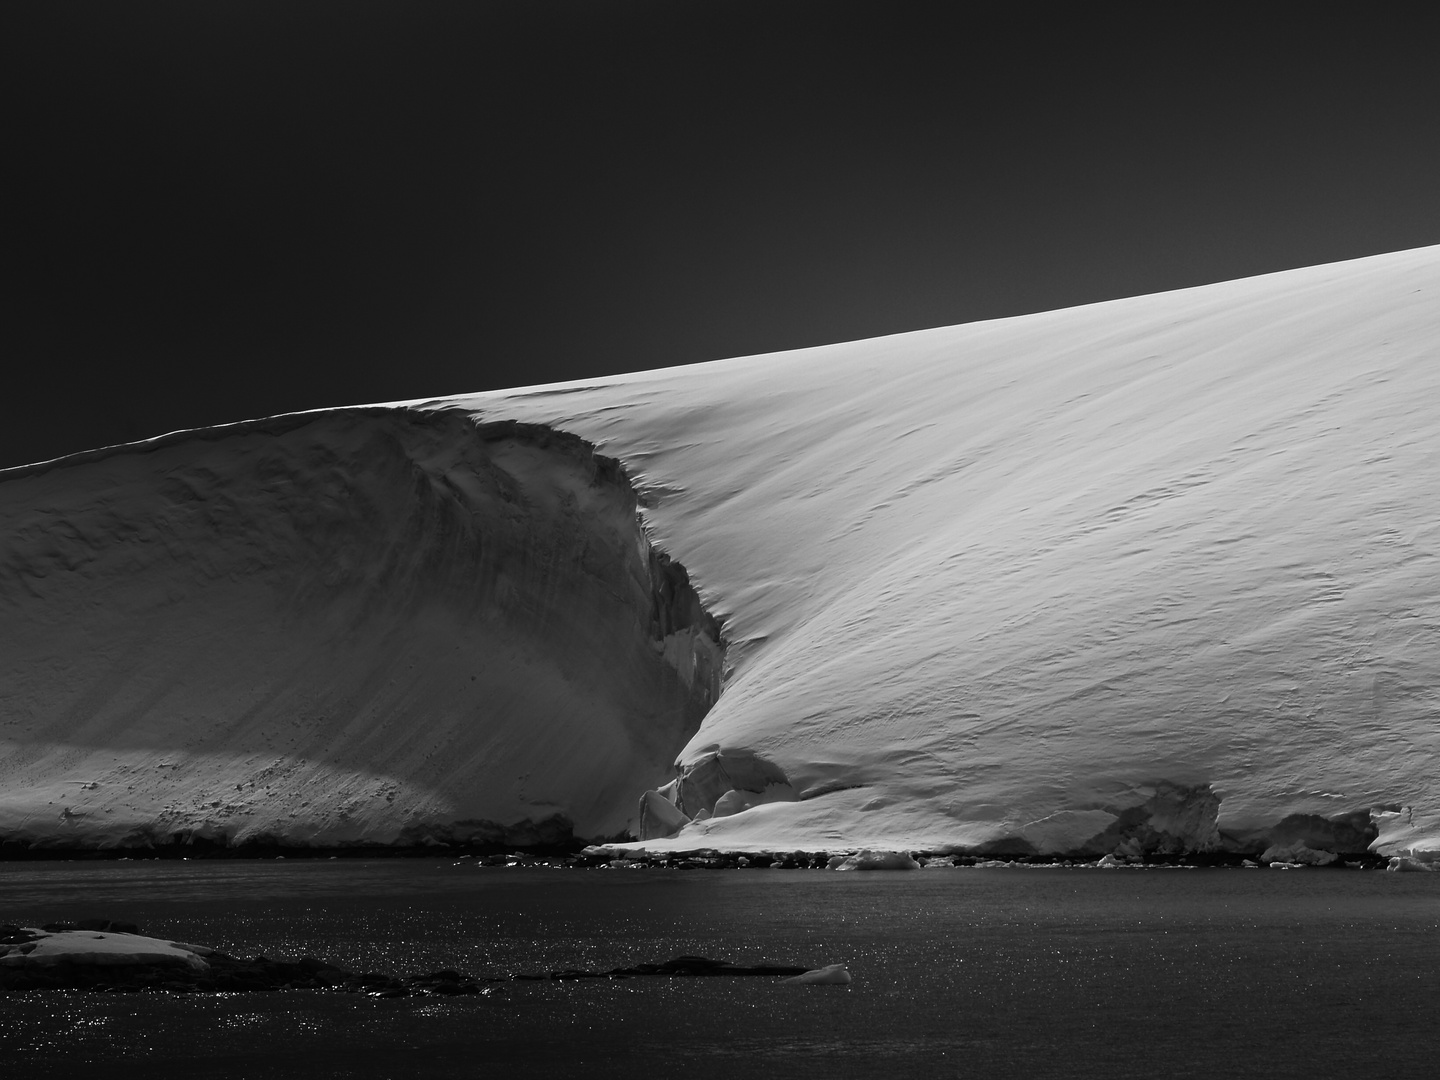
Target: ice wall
point(355, 626)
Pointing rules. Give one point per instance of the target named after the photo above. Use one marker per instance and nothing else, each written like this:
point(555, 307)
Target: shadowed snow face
point(363, 625)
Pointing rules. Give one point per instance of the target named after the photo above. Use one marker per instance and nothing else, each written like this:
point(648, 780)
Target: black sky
point(223, 210)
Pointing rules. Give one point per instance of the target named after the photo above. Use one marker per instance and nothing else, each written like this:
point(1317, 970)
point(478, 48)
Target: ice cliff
point(1156, 573)
point(359, 626)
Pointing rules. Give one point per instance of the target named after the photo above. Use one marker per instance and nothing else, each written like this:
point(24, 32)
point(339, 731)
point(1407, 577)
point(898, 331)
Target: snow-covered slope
point(1157, 572)
point(353, 626)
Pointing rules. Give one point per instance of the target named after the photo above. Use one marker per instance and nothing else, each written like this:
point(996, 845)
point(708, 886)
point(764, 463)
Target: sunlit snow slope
point(1157, 572)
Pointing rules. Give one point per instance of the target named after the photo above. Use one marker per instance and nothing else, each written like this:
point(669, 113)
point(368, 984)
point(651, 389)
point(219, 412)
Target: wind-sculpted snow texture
point(1162, 567)
point(1154, 574)
point(356, 626)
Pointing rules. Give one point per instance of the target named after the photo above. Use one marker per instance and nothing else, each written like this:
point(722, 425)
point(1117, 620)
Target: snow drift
point(1154, 574)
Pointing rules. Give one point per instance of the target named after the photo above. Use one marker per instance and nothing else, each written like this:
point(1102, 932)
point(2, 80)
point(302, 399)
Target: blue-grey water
point(1012, 972)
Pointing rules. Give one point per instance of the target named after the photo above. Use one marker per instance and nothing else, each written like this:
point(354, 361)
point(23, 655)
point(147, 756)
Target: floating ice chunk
point(877, 860)
point(1405, 863)
point(830, 975)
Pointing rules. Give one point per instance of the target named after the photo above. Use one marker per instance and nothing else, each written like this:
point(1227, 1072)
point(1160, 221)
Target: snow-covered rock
point(1155, 574)
point(95, 948)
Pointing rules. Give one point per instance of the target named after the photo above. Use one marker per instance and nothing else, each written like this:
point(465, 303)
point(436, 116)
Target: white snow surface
point(110, 949)
point(999, 580)
point(829, 975)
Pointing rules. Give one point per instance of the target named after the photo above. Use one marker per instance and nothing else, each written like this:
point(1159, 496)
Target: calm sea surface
point(971, 972)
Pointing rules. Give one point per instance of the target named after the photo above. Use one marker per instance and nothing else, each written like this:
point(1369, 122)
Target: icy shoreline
point(100, 956)
point(1135, 579)
point(626, 857)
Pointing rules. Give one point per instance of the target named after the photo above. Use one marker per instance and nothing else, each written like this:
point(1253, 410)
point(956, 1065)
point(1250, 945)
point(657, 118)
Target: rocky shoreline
point(104, 956)
point(605, 856)
point(861, 859)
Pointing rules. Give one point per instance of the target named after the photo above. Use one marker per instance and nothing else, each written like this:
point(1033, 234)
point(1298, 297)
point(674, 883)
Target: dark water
point(977, 972)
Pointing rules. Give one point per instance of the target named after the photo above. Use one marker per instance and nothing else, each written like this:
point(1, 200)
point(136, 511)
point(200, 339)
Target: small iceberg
point(875, 860)
point(1408, 864)
point(830, 975)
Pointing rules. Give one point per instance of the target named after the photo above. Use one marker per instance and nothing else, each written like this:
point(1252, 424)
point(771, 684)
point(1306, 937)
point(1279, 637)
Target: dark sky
point(232, 208)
